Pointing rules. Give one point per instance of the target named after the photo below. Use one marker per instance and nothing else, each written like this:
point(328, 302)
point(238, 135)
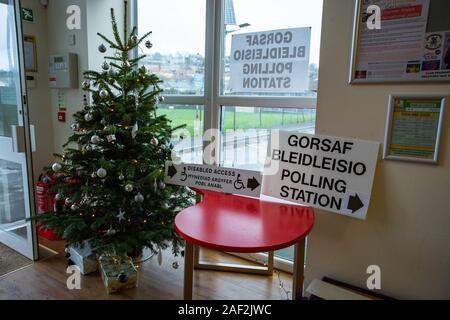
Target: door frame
point(23, 112)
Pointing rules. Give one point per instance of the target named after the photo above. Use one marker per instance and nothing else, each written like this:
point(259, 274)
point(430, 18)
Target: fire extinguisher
point(45, 199)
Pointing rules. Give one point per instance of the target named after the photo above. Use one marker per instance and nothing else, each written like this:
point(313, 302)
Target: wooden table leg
point(299, 264)
point(188, 271)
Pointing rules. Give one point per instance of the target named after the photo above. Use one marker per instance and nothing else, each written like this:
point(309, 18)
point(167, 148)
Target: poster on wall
point(412, 44)
point(270, 61)
point(413, 128)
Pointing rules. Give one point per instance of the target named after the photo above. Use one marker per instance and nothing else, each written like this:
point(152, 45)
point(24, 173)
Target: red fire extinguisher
point(45, 203)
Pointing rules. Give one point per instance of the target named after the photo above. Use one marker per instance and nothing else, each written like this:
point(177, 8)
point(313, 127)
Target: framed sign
point(413, 128)
point(411, 44)
point(30, 54)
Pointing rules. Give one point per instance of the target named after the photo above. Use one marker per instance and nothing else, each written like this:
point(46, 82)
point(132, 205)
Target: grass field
point(262, 118)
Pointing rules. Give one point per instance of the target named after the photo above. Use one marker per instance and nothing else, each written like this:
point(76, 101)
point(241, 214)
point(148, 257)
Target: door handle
point(18, 138)
point(33, 138)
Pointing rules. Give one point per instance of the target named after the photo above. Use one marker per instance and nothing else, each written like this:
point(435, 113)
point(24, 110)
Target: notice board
point(412, 45)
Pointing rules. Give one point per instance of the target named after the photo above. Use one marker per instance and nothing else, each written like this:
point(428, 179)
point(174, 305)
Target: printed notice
point(214, 178)
point(415, 124)
point(270, 61)
point(330, 173)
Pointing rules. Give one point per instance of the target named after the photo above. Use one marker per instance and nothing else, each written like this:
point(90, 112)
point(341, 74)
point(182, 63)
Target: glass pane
point(188, 142)
point(245, 132)
point(12, 205)
point(178, 52)
point(9, 71)
point(277, 73)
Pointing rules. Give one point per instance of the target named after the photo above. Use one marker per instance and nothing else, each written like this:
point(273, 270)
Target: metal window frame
point(212, 100)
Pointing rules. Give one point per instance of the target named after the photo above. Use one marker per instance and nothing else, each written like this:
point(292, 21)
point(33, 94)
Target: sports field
point(261, 118)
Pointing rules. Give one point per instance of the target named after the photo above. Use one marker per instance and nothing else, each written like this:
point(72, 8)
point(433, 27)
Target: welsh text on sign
point(329, 173)
point(220, 179)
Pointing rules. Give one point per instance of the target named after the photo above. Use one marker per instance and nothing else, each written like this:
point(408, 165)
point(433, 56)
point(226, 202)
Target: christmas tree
point(110, 177)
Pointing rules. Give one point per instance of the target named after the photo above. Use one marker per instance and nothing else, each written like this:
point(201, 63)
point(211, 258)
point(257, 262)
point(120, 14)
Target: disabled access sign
point(214, 178)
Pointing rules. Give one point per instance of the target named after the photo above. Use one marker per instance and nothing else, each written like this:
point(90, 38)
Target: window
point(212, 80)
point(272, 16)
point(178, 38)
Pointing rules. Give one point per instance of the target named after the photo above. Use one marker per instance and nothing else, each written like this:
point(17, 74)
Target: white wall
point(407, 231)
point(95, 17)
point(39, 97)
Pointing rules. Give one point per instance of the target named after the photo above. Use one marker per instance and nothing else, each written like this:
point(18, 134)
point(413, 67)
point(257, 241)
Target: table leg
point(188, 271)
point(299, 264)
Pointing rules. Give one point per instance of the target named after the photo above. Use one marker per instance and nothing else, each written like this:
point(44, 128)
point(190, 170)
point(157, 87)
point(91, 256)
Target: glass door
point(16, 230)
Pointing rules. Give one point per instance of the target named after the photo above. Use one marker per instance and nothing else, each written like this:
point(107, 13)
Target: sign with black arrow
point(329, 173)
point(220, 179)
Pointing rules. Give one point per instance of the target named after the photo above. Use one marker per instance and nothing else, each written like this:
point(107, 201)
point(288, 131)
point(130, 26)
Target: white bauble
point(110, 232)
point(139, 198)
point(128, 187)
point(68, 201)
point(57, 166)
point(74, 207)
point(101, 173)
point(95, 139)
point(88, 116)
point(103, 93)
point(59, 196)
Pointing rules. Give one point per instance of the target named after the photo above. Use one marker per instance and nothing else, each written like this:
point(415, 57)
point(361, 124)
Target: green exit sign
point(27, 15)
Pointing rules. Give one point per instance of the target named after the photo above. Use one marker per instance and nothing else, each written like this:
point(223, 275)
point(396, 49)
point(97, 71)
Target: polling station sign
point(270, 61)
point(214, 178)
point(330, 173)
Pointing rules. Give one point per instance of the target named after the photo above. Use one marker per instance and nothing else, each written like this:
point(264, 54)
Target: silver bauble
point(154, 141)
point(161, 99)
point(103, 94)
point(139, 198)
point(86, 84)
point(68, 201)
point(162, 185)
point(121, 177)
point(110, 232)
point(105, 66)
point(125, 64)
point(148, 44)
point(134, 39)
point(74, 207)
point(128, 187)
point(102, 48)
point(117, 54)
point(103, 122)
point(88, 116)
point(75, 126)
point(101, 173)
point(56, 166)
point(59, 196)
point(95, 139)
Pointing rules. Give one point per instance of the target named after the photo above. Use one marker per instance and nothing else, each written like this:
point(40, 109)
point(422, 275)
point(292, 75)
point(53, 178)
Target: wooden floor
point(46, 279)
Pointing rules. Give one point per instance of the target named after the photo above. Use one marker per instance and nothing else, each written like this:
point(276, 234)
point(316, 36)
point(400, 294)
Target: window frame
point(213, 100)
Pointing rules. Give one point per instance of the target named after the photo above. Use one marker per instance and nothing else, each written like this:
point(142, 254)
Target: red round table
point(240, 224)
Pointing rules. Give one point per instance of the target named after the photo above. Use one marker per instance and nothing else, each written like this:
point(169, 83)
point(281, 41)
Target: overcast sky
point(179, 25)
